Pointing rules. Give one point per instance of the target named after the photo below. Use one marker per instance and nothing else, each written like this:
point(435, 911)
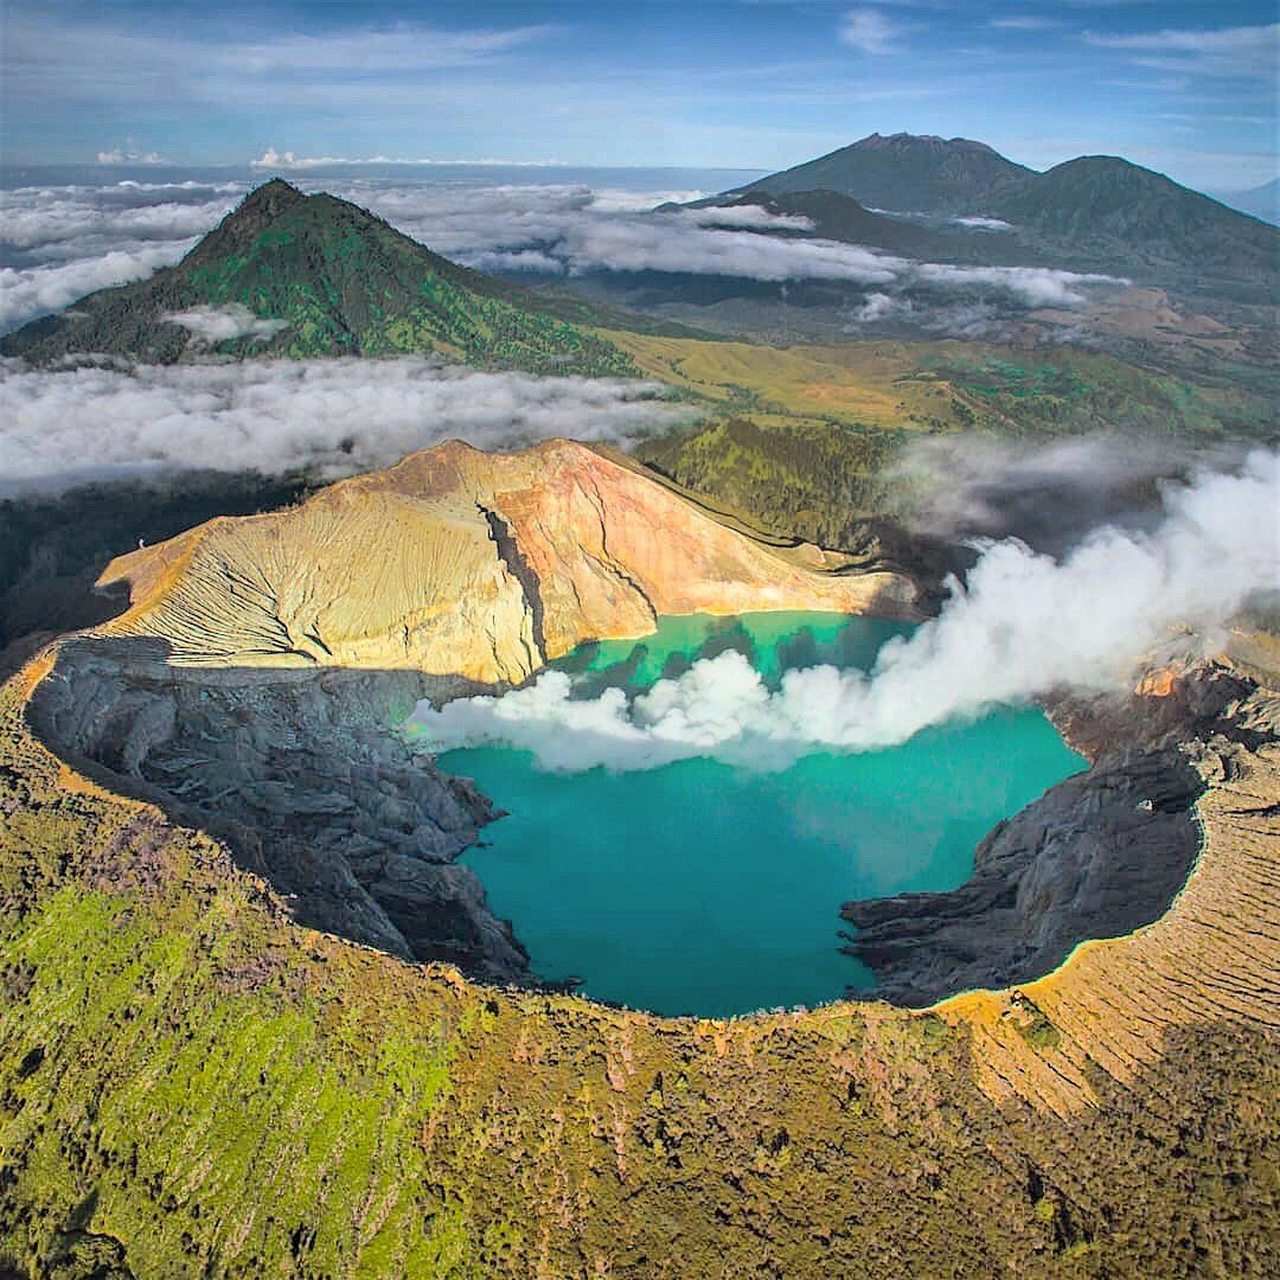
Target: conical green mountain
point(338, 281)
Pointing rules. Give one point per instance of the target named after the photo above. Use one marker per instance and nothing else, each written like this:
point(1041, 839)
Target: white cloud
point(969, 484)
point(1022, 626)
point(1026, 22)
point(76, 239)
point(751, 217)
point(59, 428)
point(869, 31)
point(43, 220)
point(1036, 286)
point(287, 162)
point(979, 223)
point(878, 306)
point(97, 61)
point(129, 155)
point(571, 229)
point(1223, 51)
point(32, 291)
point(402, 47)
point(221, 324)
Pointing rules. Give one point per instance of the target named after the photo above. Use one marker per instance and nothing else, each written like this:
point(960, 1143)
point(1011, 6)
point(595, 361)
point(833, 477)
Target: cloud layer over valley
point(1021, 626)
point(59, 243)
point(60, 428)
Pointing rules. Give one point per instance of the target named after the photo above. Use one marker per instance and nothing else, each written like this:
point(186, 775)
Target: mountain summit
point(903, 171)
point(1091, 213)
point(290, 274)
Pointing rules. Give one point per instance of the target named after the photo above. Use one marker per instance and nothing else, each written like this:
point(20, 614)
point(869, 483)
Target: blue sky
point(1185, 87)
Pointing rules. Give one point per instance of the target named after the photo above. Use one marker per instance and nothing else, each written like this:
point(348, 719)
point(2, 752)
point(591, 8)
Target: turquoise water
point(705, 888)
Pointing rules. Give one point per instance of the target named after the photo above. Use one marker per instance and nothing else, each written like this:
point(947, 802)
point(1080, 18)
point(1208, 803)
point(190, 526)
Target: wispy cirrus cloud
point(290, 162)
point(1025, 22)
point(400, 47)
point(1223, 51)
point(104, 62)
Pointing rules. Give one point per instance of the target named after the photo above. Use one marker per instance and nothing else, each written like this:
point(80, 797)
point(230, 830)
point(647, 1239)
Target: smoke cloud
point(1021, 626)
point(60, 428)
point(1049, 495)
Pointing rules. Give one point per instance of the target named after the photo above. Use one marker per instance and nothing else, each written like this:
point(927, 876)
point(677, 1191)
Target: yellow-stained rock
point(466, 563)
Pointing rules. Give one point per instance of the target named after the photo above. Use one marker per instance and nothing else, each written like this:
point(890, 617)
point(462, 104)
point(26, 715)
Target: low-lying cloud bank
point(62, 428)
point(34, 291)
point(1022, 625)
point(59, 243)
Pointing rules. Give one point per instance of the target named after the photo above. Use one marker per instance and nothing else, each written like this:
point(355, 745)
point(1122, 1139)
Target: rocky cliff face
point(1098, 856)
point(299, 773)
point(456, 562)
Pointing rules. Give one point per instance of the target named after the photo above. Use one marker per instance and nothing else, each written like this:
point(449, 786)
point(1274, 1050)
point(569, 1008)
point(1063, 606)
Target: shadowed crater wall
point(1097, 856)
point(298, 773)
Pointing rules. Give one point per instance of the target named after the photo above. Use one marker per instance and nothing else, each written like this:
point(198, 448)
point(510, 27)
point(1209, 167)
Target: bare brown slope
point(466, 563)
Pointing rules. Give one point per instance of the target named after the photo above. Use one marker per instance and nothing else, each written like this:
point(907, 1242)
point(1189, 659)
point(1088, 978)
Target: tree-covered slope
point(337, 281)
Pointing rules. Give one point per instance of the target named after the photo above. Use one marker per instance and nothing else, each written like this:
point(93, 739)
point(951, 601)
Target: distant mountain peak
point(904, 171)
point(919, 142)
point(261, 207)
point(269, 200)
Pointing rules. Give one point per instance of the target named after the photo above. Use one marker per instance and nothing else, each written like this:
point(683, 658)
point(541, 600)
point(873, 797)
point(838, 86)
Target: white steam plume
point(1022, 626)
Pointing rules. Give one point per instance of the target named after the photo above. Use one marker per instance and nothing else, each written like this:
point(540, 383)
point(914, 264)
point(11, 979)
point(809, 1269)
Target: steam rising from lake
point(1022, 625)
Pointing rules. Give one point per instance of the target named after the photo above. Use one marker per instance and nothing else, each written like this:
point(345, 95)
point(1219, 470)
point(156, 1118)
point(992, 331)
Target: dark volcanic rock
point(299, 773)
point(1097, 856)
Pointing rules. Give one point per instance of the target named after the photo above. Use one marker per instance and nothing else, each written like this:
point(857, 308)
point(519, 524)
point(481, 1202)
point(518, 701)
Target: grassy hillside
point(340, 281)
point(800, 437)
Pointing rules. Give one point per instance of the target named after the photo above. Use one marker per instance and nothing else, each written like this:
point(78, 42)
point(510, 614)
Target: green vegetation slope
point(340, 282)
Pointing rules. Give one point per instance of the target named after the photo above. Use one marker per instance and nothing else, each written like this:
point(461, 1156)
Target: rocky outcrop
point(456, 562)
point(299, 773)
point(1098, 856)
